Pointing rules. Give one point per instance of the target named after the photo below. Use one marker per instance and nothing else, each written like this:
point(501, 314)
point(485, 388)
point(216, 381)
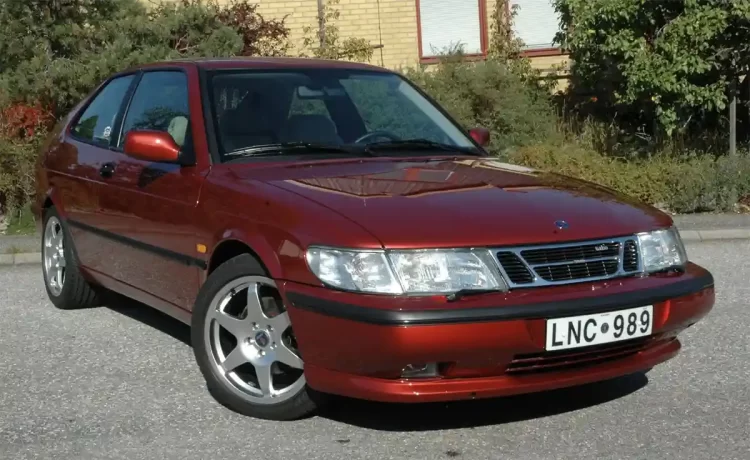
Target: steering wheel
point(376, 134)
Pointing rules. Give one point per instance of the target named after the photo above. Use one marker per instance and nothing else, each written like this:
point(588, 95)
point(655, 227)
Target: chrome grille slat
point(577, 261)
point(555, 264)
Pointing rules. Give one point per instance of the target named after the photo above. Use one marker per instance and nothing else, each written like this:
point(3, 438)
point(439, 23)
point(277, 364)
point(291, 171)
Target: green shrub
point(17, 175)
point(492, 95)
point(56, 52)
point(53, 53)
point(693, 183)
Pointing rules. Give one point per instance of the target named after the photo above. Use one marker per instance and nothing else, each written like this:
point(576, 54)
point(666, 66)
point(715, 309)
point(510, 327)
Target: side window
point(160, 103)
point(97, 122)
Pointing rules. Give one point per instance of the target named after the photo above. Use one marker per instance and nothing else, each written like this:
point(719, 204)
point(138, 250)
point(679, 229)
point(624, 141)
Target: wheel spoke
point(59, 276)
point(265, 380)
point(280, 323)
point(254, 309)
point(234, 360)
point(235, 326)
point(238, 307)
point(288, 357)
point(57, 237)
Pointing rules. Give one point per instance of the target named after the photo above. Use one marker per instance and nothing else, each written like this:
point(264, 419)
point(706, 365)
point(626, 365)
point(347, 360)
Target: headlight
point(661, 250)
point(405, 272)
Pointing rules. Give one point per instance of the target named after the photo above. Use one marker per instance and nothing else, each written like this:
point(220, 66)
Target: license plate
point(600, 328)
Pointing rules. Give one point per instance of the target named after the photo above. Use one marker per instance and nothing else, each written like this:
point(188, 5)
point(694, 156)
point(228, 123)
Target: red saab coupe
point(327, 228)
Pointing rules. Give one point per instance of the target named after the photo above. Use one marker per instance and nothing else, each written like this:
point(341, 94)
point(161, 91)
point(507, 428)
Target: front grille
point(575, 271)
point(553, 255)
point(571, 359)
point(514, 268)
point(567, 263)
point(630, 256)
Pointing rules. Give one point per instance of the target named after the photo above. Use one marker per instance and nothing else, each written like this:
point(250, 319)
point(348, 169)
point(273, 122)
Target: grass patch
point(22, 223)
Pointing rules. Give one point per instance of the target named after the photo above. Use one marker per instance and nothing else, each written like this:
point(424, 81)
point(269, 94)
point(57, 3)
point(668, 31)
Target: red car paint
point(138, 227)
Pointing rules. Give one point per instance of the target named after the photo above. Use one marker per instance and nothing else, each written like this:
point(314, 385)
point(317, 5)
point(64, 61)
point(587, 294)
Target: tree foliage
point(504, 45)
point(667, 62)
point(53, 52)
point(324, 39)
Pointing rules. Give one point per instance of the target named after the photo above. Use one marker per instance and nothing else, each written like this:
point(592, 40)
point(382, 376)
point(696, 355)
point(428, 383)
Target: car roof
point(265, 63)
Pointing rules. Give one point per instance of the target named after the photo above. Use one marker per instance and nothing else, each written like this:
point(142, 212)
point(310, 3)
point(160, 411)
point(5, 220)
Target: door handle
point(107, 170)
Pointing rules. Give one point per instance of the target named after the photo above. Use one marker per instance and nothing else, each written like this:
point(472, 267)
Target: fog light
point(421, 371)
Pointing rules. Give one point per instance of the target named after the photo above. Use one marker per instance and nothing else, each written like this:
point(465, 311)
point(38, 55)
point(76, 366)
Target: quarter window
point(97, 122)
point(160, 103)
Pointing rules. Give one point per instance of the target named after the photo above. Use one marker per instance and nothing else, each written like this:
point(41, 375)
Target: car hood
point(464, 202)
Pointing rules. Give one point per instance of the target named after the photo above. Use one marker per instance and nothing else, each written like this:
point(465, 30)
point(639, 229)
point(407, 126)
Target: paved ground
point(120, 383)
point(24, 243)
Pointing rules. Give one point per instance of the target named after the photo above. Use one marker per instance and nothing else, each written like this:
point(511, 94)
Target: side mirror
point(154, 146)
point(481, 135)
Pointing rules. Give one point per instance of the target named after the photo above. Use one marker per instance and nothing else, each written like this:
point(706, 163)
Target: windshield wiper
point(422, 144)
point(284, 148)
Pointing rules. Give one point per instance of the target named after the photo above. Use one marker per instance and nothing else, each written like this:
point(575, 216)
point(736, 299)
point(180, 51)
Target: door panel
point(150, 206)
point(74, 168)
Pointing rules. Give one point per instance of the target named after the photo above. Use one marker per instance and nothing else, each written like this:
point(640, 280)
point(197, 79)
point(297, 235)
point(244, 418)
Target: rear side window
point(97, 122)
point(160, 103)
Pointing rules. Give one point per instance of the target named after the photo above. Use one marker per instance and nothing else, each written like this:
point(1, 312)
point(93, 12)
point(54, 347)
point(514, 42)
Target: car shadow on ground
point(477, 413)
point(426, 416)
point(148, 316)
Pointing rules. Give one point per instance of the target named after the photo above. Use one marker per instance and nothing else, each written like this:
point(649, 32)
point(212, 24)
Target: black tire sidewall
point(57, 300)
point(77, 292)
point(296, 407)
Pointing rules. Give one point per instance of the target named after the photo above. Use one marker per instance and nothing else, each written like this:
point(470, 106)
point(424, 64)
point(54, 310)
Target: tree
point(55, 51)
point(666, 63)
point(325, 40)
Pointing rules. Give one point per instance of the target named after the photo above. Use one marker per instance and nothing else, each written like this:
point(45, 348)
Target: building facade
point(408, 32)
point(414, 31)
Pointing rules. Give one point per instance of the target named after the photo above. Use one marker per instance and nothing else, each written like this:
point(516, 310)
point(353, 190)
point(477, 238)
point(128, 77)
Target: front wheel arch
point(299, 404)
point(227, 250)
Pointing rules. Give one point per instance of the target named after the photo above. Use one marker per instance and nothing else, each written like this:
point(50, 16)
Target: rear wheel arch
point(48, 200)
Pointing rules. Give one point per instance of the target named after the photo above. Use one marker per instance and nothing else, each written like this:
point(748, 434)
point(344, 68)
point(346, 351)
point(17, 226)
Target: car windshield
point(329, 111)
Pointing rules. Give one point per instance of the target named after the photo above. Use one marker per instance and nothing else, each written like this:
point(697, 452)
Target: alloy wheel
point(250, 342)
point(54, 256)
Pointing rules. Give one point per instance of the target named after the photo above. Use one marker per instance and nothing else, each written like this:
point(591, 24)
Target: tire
point(261, 342)
point(76, 292)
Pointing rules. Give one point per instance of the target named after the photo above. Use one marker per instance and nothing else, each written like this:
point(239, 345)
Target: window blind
point(536, 23)
point(447, 23)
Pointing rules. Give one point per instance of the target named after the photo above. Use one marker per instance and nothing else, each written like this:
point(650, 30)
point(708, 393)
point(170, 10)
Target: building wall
point(392, 23)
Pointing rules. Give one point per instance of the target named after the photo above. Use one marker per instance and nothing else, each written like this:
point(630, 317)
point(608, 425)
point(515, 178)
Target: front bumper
point(492, 345)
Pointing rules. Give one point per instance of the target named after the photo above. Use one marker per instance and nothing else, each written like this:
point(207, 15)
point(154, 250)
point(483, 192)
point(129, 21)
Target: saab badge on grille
point(601, 247)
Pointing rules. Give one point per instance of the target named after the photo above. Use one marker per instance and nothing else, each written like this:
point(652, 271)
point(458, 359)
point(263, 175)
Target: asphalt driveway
point(120, 383)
